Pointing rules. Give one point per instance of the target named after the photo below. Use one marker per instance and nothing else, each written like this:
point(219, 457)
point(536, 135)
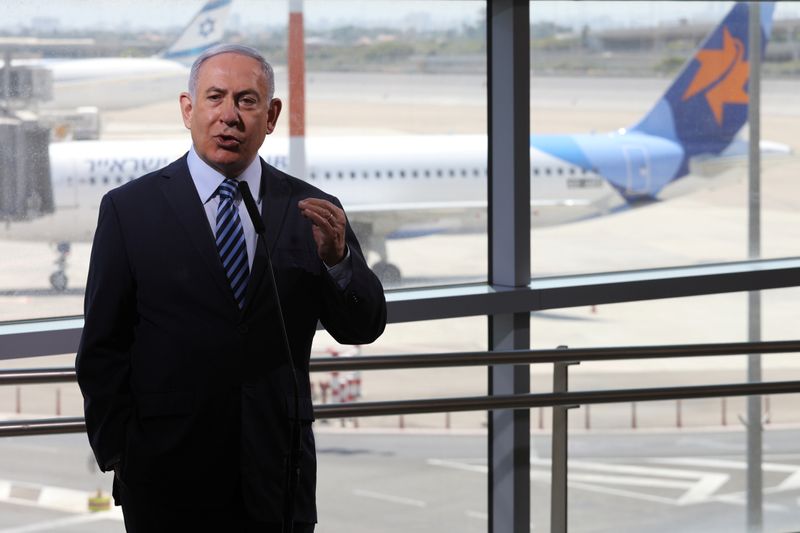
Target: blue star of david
point(206, 27)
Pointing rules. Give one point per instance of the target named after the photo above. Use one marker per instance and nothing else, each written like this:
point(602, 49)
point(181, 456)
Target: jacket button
point(243, 329)
point(354, 298)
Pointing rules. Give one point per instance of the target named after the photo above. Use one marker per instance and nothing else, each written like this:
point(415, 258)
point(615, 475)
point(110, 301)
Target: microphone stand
point(295, 442)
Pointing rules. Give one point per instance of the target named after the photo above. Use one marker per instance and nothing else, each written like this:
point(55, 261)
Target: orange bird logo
point(725, 71)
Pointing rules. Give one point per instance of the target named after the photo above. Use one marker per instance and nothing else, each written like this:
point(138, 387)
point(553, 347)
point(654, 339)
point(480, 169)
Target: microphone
point(296, 445)
point(252, 209)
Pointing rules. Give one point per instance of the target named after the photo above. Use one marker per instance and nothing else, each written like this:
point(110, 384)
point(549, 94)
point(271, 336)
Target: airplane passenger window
point(312, 175)
point(352, 174)
point(414, 174)
point(340, 174)
point(439, 173)
point(452, 173)
point(327, 175)
point(389, 174)
point(402, 173)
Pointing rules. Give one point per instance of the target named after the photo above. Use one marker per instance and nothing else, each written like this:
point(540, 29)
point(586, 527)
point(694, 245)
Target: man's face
point(230, 114)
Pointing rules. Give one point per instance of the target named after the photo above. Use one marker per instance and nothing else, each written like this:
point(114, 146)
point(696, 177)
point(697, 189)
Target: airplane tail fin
point(204, 31)
point(706, 105)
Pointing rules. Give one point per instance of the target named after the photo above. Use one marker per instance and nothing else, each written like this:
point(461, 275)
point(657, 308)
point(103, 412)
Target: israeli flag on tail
point(204, 31)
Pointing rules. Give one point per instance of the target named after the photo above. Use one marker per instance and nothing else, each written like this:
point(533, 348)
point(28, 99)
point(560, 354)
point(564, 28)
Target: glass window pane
point(661, 465)
point(394, 91)
point(623, 95)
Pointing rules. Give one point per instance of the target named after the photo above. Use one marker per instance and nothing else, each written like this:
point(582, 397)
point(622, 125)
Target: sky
point(158, 14)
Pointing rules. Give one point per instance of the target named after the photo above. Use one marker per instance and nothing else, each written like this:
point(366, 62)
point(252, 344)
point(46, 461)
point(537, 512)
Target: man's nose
point(229, 114)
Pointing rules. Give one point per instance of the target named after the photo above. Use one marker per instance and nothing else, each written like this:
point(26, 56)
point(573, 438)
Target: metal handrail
point(475, 358)
point(37, 376)
point(472, 403)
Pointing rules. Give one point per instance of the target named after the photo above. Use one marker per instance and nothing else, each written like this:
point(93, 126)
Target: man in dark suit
point(187, 388)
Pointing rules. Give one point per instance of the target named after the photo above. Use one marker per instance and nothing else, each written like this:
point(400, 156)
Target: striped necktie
point(230, 241)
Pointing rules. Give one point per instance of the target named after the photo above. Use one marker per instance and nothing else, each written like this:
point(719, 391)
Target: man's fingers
point(321, 218)
point(321, 212)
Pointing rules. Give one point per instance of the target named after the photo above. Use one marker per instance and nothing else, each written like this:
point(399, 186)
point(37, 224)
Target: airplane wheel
point(388, 273)
point(58, 280)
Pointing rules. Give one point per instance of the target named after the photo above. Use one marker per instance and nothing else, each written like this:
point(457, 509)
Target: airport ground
point(364, 471)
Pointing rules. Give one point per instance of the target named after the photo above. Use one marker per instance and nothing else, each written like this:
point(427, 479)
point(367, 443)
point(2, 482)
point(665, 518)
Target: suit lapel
point(184, 199)
point(276, 194)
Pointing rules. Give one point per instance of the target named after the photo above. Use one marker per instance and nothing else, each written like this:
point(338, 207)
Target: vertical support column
point(755, 496)
point(297, 91)
point(508, 43)
point(559, 456)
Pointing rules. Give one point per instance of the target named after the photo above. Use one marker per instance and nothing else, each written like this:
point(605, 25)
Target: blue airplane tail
point(204, 31)
point(706, 105)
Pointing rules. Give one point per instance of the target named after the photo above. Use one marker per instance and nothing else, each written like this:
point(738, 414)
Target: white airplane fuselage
point(399, 185)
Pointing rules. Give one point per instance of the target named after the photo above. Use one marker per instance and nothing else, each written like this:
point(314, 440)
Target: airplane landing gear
point(388, 273)
point(58, 279)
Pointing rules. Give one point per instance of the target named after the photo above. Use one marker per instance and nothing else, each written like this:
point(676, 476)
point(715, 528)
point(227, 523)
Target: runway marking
point(55, 498)
point(387, 498)
point(58, 523)
point(697, 486)
point(791, 482)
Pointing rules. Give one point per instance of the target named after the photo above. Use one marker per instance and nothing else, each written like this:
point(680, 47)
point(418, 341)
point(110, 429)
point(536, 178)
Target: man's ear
point(186, 109)
point(273, 113)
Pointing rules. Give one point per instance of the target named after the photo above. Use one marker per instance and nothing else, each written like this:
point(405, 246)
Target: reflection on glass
point(639, 134)
point(395, 128)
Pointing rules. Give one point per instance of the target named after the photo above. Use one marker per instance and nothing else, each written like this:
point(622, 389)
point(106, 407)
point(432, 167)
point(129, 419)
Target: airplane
point(118, 82)
point(418, 185)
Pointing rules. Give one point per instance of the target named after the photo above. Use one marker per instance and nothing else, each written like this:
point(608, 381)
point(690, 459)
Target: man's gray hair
point(231, 49)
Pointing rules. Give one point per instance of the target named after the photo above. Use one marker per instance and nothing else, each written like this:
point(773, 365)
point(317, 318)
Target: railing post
point(724, 411)
point(558, 451)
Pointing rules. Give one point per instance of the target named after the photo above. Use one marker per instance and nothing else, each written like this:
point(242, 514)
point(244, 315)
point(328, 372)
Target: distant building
point(45, 24)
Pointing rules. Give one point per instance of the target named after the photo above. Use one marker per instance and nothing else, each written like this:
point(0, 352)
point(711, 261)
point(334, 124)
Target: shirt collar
point(207, 180)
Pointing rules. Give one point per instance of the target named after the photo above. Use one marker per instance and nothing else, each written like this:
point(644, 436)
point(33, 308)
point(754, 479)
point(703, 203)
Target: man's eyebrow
point(213, 89)
point(246, 92)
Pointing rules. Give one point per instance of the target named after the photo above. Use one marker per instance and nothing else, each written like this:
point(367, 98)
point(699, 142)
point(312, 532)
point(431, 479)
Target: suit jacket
point(191, 393)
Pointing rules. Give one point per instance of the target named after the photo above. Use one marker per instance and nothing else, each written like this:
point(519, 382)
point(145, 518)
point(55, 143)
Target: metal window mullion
point(508, 43)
